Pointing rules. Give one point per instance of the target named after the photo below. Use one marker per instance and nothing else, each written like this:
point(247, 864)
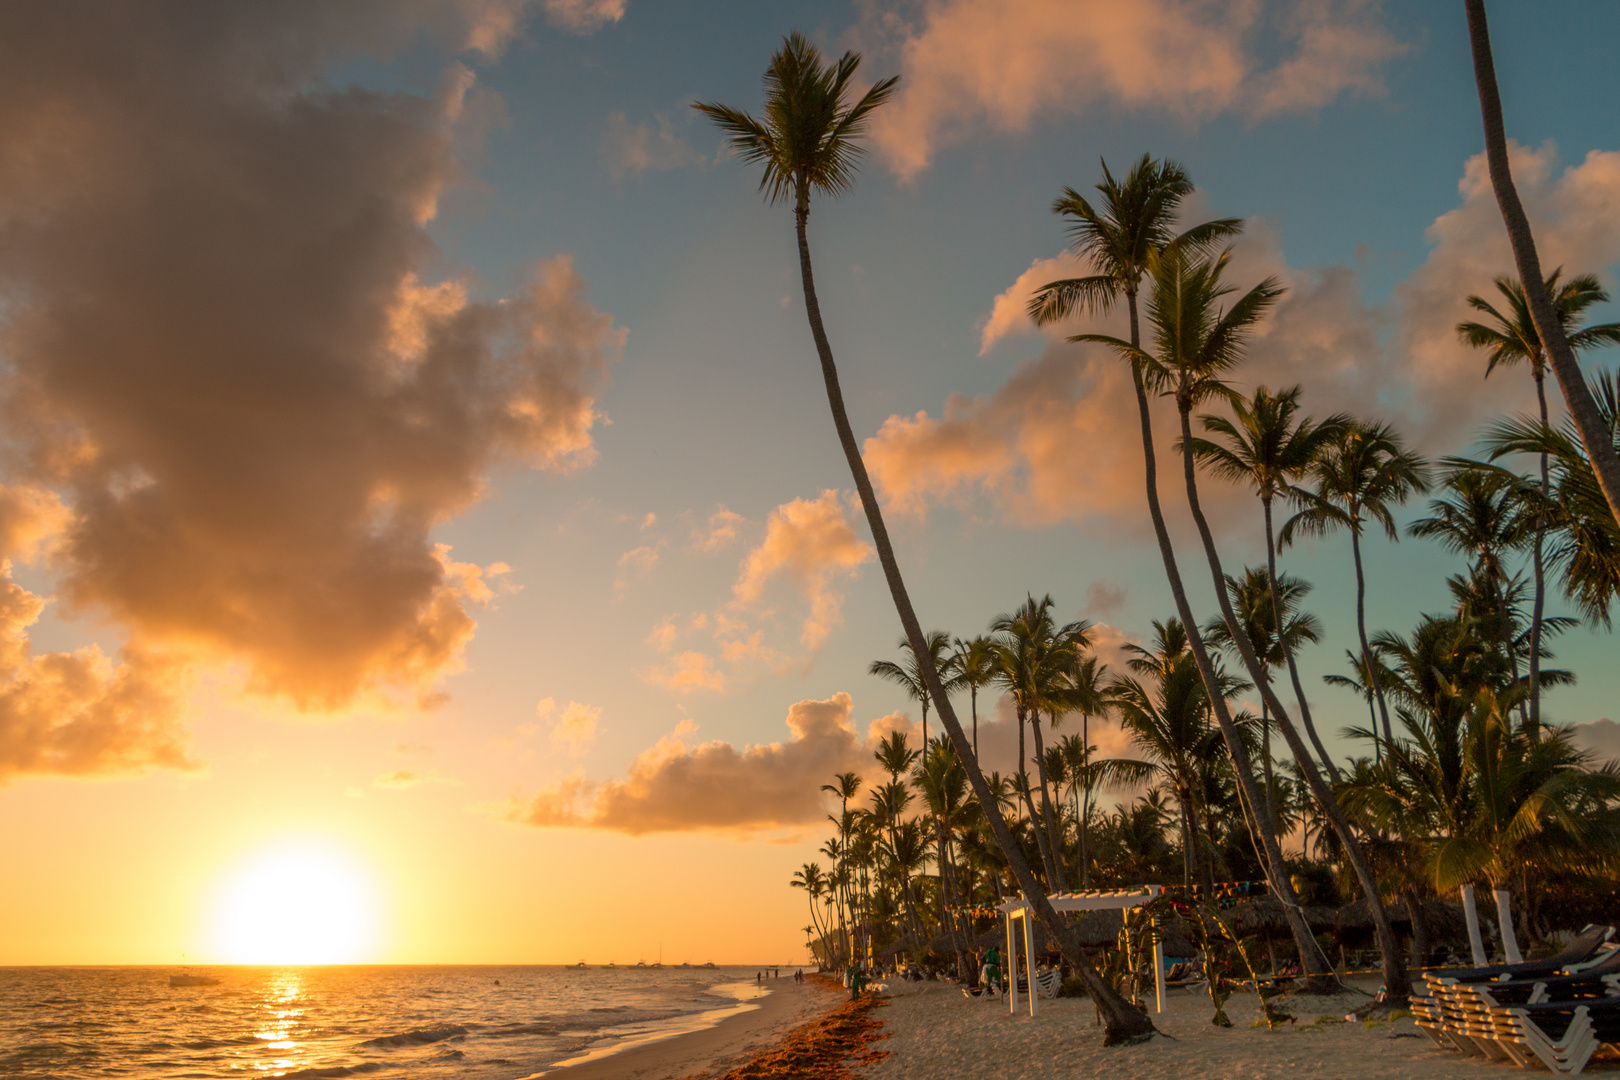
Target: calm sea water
point(495, 1023)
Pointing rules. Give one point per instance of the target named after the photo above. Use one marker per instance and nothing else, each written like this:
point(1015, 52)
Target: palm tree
point(809, 878)
point(1365, 473)
point(845, 786)
point(1196, 344)
point(1267, 448)
point(1584, 413)
point(1480, 517)
point(974, 662)
point(1089, 683)
point(1036, 661)
point(1253, 601)
point(1587, 548)
point(810, 141)
point(1170, 724)
point(908, 675)
point(1510, 337)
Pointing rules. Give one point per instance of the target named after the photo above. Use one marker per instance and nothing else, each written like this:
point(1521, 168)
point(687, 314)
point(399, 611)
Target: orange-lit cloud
point(795, 574)
point(633, 148)
point(714, 786)
point(1059, 440)
point(811, 543)
point(686, 672)
point(1002, 63)
point(679, 786)
point(583, 16)
point(575, 727)
point(721, 529)
point(257, 432)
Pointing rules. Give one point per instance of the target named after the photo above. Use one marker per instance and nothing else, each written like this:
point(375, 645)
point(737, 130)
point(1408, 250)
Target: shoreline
point(757, 1023)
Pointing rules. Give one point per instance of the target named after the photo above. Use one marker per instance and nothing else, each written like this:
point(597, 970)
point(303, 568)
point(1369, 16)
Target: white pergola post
point(1012, 966)
point(1029, 960)
point(1504, 920)
point(1471, 916)
point(1158, 974)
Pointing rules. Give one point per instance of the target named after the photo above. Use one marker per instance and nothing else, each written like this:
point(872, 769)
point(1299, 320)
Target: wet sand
point(716, 1049)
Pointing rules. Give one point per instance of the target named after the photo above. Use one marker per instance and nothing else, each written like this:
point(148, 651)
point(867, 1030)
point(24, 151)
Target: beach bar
point(1092, 900)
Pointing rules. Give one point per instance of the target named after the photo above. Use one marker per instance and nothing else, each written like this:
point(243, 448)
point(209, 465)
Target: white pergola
point(1093, 900)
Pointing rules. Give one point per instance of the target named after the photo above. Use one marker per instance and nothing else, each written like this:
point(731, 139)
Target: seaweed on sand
point(820, 1050)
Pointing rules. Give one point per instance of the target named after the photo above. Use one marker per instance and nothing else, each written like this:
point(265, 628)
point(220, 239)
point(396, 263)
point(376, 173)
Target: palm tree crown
point(809, 138)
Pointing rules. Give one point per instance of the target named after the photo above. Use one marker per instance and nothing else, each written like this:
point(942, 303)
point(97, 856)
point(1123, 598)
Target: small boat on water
point(610, 965)
point(641, 963)
point(710, 965)
point(580, 964)
point(192, 980)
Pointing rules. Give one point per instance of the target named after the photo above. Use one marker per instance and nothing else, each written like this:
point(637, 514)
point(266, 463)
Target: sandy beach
point(937, 1033)
point(717, 1049)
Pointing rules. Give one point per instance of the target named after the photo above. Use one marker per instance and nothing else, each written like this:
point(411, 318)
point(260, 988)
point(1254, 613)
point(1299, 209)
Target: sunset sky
point(418, 476)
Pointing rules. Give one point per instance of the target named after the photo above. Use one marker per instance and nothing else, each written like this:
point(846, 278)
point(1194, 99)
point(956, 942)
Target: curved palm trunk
point(1539, 607)
point(1595, 435)
point(1367, 657)
point(1052, 843)
point(1396, 982)
point(1241, 766)
point(1124, 1023)
point(1287, 650)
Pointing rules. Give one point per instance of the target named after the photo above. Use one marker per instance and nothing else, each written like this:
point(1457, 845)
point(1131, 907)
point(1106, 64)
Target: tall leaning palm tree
point(1266, 447)
point(1131, 231)
point(1361, 478)
point(1196, 342)
point(809, 141)
point(1510, 338)
point(1584, 412)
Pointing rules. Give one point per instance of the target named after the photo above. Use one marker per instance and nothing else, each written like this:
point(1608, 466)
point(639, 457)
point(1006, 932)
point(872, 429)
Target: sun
point(297, 903)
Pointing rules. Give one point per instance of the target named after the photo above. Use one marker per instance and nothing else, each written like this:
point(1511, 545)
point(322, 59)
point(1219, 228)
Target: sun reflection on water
point(281, 1012)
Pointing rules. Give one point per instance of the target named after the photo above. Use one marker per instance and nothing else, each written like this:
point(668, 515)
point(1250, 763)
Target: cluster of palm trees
point(1463, 780)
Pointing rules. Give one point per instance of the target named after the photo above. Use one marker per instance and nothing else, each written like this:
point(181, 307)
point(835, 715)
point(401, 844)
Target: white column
point(1471, 915)
point(1011, 969)
point(1029, 960)
point(1504, 919)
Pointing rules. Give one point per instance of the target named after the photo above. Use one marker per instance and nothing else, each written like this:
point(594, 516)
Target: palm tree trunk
point(1398, 986)
point(1189, 849)
point(1287, 650)
point(1595, 435)
point(973, 695)
point(1029, 803)
point(1124, 1022)
point(1085, 802)
point(1539, 608)
point(1367, 657)
point(1241, 765)
point(1046, 803)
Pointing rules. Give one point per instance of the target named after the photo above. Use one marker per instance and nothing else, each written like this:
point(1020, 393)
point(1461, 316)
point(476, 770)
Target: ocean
point(495, 1023)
